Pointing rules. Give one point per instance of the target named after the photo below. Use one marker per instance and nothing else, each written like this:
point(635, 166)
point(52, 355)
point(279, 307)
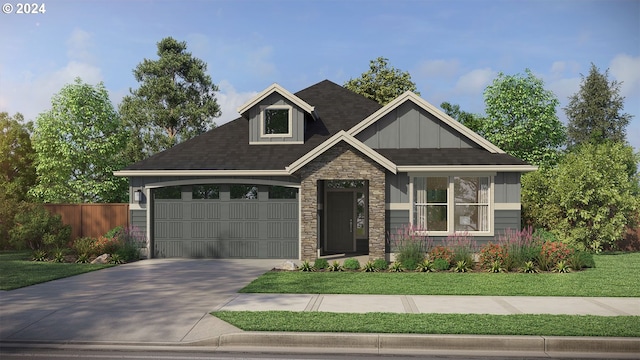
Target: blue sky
point(452, 49)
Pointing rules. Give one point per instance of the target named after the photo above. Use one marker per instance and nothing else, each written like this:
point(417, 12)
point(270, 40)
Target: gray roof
point(227, 147)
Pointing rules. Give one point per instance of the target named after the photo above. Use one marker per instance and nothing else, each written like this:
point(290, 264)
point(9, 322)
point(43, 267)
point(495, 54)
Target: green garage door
point(226, 221)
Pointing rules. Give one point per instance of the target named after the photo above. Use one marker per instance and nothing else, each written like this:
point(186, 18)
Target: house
point(322, 171)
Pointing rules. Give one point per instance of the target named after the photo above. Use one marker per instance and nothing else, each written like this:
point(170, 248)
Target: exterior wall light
point(137, 195)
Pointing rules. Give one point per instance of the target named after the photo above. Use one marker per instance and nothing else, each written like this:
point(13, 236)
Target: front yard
point(613, 276)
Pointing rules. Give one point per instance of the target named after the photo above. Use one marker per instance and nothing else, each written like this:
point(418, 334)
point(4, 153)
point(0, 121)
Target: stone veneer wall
point(342, 162)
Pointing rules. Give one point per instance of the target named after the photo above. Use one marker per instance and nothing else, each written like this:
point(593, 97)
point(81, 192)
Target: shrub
point(562, 267)
point(116, 259)
point(461, 266)
point(519, 246)
point(581, 259)
point(441, 264)
point(463, 247)
point(58, 255)
point(552, 253)
point(442, 253)
point(35, 228)
point(82, 259)
point(128, 252)
point(306, 266)
point(408, 246)
point(425, 266)
point(351, 264)
point(396, 267)
point(381, 264)
point(114, 232)
point(495, 267)
point(529, 267)
point(105, 245)
point(84, 246)
point(321, 264)
point(491, 253)
point(369, 267)
point(335, 266)
point(39, 255)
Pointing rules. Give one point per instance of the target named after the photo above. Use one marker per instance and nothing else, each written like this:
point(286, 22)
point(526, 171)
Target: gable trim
point(201, 173)
point(275, 88)
point(341, 136)
point(410, 96)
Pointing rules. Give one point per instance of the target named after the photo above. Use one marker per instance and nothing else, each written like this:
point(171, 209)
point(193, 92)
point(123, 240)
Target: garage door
point(226, 221)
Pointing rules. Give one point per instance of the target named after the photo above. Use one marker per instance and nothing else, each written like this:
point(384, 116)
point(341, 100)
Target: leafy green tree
point(521, 118)
point(382, 82)
point(175, 101)
point(472, 121)
point(78, 144)
point(17, 170)
point(595, 111)
point(589, 198)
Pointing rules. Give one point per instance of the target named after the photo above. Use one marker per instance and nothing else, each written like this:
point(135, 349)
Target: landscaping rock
point(287, 265)
point(102, 259)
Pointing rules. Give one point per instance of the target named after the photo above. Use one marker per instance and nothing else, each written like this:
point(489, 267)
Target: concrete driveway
point(157, 300)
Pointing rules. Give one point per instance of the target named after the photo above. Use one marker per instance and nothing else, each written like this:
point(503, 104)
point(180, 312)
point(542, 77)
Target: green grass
point(17, 270)
point(542, 325)
point(614, 276)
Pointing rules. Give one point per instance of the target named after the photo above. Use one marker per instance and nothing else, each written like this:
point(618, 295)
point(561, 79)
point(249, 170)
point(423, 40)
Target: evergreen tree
point(595, 111)
point(382, 83)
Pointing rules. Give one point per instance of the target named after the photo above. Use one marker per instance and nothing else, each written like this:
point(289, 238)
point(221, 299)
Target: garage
point(225, 221)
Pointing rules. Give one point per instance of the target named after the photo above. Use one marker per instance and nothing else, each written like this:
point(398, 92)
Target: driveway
point(157, 300)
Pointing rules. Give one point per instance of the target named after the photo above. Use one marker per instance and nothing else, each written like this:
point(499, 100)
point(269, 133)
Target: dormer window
point(277, 121)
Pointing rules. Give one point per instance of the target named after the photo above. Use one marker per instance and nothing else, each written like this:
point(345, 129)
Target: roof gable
point(446, 119)
point(275, 88)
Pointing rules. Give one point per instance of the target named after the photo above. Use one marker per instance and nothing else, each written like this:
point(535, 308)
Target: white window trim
point(451, 204)
point(276, 107)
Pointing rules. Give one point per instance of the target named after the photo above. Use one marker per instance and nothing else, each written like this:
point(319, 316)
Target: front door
point(340, 222)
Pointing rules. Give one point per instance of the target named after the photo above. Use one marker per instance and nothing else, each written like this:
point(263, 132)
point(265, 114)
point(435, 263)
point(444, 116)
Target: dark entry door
point(340, 222)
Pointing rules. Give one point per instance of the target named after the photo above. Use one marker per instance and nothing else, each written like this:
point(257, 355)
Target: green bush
point(408, 247)
point(351, 264)
point(335, 266)
point(381, 264)
point(369, 267)
point(84, 246)
point(425, 266)
point(462, 246)
point(441, 264)
point(581, 259)
point(321, 264)
point(114, 232)
point(128, 252)
point(36, 228)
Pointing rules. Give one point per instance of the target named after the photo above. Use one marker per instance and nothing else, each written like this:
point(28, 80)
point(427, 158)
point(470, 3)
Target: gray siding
point(397, 188)
point(507, 188)
point(297, 124)
point(410, 126)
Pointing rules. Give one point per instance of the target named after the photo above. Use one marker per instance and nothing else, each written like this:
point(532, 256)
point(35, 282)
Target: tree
point(594, 112)
point(589, 198)
point(175, 101)
point(521, 118)
point(382, 83)
point(17, 170)
point(78, 143)
point(472, 121)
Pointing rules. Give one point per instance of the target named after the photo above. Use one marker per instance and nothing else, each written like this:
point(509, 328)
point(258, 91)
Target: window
point(168, 193)
point(205, 192)
point(244, 192)
point(276, 121)
point(452, 204)
point(281, 192)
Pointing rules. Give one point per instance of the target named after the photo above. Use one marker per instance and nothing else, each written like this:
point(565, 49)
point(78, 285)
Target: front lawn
point(613, 276)
point(542, 325)
point(17, 270)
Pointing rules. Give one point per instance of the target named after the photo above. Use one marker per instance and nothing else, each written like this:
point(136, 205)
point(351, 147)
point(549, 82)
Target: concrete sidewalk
point(414, 304)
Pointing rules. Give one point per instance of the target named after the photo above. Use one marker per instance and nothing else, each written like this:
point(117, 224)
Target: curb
point(353, 343)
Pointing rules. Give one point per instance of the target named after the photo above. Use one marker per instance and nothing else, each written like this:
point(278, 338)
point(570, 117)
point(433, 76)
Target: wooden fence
point(91, 220)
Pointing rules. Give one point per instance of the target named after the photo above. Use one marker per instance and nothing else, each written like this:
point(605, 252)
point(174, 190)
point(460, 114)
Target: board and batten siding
point(255, 118)
point(411, 127)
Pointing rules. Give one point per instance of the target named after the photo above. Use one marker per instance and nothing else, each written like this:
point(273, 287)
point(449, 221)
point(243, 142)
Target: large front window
point(446, 204)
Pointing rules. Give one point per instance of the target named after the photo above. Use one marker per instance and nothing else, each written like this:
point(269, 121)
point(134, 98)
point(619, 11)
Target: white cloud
point(258, 63)
point(229, 100)
point(31, 93)
point(475, 81)
point(561, 68)
point(626, 69)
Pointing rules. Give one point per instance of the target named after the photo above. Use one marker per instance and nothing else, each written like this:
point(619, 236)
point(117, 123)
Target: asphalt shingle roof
point(227, 147)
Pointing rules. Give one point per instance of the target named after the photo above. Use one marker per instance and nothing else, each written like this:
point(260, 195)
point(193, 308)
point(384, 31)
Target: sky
point(452, 49)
